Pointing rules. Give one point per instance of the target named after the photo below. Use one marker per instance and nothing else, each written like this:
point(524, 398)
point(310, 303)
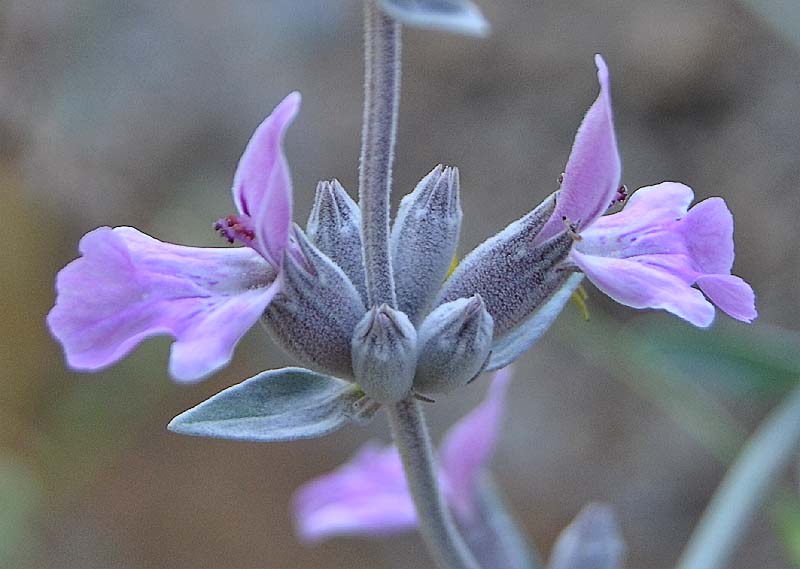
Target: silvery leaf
point(525, 335)
point(277, 405)
point(456, 16)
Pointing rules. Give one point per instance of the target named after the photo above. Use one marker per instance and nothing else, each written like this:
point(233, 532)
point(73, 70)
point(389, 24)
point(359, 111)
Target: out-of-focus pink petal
point(127, 286)
point(592, 174)
point(641, 285)
point(470, 443)
point(366, 496)
point(708, 231)
point(731, 294)
point(262, 185)
point(369, 496)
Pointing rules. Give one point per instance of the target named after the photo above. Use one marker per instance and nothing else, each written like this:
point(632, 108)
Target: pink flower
point(650, 254)
point(127, 286)
point(368, 495)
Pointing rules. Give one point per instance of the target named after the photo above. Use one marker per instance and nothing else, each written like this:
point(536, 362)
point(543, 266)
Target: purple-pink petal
point(366, 496)
point(651, 253)
point(642, 285)
point(731, 295)
point(127, 286)
point(262, 184)
point(592, 175)
point(708, 232)
point(469, 445)
point(640, 228)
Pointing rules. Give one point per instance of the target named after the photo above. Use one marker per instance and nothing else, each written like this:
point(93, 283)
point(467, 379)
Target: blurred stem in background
point(666, 365)
point(764, 458)
point(783, 15)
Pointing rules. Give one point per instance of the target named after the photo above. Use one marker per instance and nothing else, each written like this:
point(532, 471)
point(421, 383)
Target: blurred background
point(135, 113)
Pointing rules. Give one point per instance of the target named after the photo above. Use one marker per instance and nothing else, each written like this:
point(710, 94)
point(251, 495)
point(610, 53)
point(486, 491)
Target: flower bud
point(454, 344)
point(424, 240)
point(334, 226)
point(384, 351)
point(314, 315)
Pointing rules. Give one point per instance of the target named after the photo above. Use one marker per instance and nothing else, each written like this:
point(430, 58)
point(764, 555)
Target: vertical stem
point(381, 100)
point(435, 523)
point(741, 492)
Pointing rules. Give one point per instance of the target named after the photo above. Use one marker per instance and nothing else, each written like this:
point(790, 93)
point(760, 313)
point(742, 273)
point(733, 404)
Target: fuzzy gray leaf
point(277, 405)
point(456, 16)
point(524, 336)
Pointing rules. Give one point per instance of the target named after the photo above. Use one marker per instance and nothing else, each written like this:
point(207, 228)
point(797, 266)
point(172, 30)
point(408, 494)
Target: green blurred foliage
point(741, 360)
point(786, 516)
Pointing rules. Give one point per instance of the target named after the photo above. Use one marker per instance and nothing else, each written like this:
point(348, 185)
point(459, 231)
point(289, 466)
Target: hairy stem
point(435, 523)
point(765, 456)
point(381, 99)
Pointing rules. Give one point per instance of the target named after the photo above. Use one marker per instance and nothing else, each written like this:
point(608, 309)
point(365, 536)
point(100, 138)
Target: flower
point(368, 495)
point(651, 253)
point(127, 286)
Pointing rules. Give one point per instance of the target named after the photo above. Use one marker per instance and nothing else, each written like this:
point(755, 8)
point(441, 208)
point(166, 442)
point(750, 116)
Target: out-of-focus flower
point(651, 253)
point(368, 495)
point(127, 286)
point(591, 541)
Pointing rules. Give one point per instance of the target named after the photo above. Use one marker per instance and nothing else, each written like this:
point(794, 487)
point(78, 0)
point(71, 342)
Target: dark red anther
point(621, 196)
point(234, 227)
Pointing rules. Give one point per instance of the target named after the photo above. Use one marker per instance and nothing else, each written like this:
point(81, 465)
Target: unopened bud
point(424, 240)
point(334, 226)
point(384, 351)
point(454, 341)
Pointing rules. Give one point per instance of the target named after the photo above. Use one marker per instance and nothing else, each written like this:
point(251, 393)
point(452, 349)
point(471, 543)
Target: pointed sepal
point(511, 271)
point(454, 341)
point(424, 240)
point(384, 350)
point(314, 316)
point(277, 405)
point(523, 337)
point(334, 226)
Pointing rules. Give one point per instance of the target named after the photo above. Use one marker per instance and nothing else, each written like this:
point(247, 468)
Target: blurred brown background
point(135, 113)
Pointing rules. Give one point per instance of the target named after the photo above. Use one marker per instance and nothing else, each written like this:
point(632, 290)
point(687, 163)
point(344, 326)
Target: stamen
point(572, 228)
point(622, 195)
point(236, 228)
